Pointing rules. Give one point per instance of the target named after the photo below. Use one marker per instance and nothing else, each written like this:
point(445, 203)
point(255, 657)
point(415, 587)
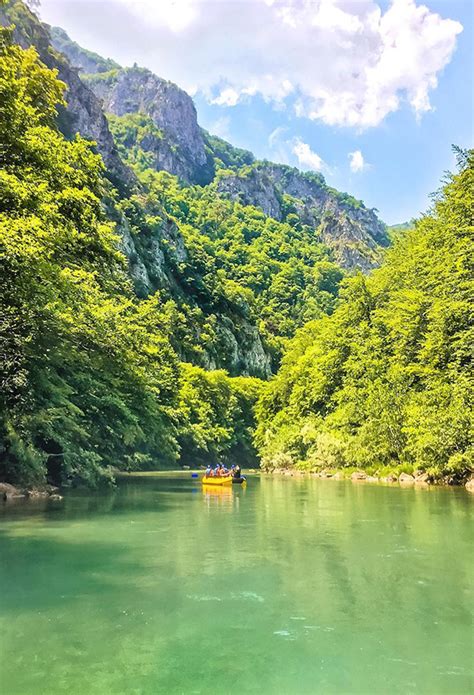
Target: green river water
point(288, 586)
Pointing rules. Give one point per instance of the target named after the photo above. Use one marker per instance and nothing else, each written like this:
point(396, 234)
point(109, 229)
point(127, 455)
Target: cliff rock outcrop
point(353, 232)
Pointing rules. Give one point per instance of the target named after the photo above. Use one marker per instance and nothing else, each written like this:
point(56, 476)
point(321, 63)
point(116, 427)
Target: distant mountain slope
point(353, 232)
point(179, 146)
point(80, 57)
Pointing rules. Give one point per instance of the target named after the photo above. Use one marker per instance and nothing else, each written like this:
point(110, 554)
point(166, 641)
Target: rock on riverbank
point(9, 492)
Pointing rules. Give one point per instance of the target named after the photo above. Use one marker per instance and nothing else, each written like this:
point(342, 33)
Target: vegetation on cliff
point(387, 380)
point(239, 262)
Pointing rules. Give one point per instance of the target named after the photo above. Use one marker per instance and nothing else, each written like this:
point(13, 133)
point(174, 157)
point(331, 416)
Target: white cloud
point(341, 62)
point(307, 159)
point(227, 97)
point(356, 161)
point(176, 15)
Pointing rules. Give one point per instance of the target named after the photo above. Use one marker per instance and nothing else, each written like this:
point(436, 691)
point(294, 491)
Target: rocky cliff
point(353, 232)
point(178, 145)
point(179, 148)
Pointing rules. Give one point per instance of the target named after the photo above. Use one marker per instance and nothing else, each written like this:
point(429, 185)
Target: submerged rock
point(34, 494)
point(338, 476)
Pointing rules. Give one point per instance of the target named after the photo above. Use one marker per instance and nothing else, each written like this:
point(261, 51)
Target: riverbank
point(420, 479)
point(12, 493)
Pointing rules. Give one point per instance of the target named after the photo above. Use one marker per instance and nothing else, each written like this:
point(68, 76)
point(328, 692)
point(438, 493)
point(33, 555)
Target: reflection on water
point(287, 586)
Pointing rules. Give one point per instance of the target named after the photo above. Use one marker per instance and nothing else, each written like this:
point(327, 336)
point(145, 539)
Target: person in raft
point(208, 472)
point(237, 472)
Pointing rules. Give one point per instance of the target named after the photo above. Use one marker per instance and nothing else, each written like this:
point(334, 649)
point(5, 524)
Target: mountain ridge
point(242, 282)
point(353, 231)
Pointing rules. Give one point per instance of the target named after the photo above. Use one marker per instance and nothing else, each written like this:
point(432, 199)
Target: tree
point(387, 380)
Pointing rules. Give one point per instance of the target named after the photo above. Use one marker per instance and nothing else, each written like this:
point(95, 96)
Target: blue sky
point(372, 94)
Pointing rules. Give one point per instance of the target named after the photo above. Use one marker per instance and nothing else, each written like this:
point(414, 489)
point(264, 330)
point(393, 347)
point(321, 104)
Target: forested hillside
point(196, 253)
point(387, 381)
point(89, 377)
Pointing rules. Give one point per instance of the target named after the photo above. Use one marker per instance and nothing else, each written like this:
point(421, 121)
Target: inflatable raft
point(227, 480)
point(216, 480)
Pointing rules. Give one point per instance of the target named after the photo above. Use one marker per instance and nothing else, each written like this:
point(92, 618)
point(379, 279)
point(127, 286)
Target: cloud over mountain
point(340, 62)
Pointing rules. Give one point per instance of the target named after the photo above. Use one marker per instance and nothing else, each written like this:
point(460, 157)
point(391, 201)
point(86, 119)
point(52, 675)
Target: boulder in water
point(8, 491)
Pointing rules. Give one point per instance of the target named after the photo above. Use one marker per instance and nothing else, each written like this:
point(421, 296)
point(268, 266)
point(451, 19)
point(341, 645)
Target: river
point(288, 586)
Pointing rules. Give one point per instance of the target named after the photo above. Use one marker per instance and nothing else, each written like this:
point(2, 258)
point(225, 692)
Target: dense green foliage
point(396, 230)
point(130, 131)
point(387, 380)
point(216, 416)
point(89, 379)
point(226, 156)
point(99, 373)
point(277, 275)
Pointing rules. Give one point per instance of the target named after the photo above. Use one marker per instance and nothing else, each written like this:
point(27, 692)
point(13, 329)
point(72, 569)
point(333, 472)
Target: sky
point(371, 93)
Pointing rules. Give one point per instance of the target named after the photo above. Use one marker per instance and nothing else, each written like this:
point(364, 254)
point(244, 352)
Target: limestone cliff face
point(181, 150)
point(353, 232)
point(121, 91)
point(154, 261)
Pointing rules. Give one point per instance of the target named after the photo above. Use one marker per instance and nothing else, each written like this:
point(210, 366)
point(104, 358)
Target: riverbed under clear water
point(288, 586)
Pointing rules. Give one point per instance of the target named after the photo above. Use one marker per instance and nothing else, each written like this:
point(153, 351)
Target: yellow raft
point(216, 480)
